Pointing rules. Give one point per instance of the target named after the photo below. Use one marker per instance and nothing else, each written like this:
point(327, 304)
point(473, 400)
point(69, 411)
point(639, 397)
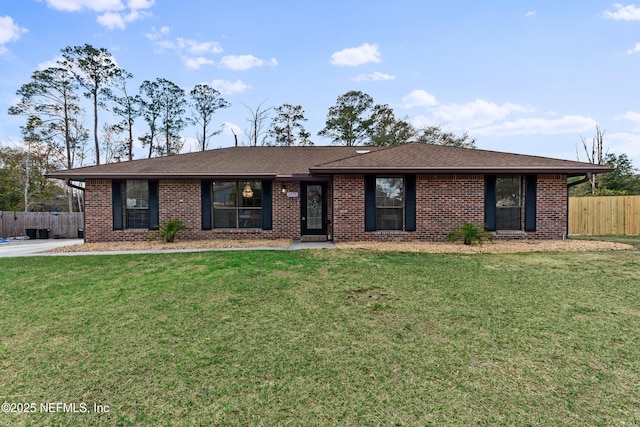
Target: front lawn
point(325, 337)
point(617, 238)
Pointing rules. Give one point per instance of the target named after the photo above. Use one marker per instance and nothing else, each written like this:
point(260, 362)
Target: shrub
point(169, 229)
point(470, 234)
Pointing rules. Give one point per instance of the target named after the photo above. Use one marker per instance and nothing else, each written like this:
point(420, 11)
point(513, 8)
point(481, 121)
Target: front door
point(314, 206)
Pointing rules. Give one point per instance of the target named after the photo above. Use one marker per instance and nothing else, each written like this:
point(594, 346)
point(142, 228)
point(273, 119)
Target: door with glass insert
point(313, 207)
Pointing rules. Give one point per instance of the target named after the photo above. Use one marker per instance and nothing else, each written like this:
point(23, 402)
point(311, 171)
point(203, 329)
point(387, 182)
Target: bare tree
point(258, 118)
point(594, 154)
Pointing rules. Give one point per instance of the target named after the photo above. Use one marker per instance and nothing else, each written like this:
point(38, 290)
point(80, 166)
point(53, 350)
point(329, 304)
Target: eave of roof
point(468, 170)
point(304, 162)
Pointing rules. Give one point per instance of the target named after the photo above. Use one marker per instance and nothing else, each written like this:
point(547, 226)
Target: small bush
point(169, 229)
point(470, 234)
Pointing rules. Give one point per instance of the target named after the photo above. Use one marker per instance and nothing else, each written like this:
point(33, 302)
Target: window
point(509, 202)
point(137, 203)
point(237, 204)
point(389, 203)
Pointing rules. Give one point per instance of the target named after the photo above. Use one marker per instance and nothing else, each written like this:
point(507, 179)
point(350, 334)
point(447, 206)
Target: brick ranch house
point(411, 192)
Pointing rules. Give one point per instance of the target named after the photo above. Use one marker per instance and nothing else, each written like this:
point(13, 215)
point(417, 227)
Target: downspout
point(586, 178)
point(84, 217)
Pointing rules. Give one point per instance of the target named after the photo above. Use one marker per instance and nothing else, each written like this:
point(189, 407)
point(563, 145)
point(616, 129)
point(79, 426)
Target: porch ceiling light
point(247, 192)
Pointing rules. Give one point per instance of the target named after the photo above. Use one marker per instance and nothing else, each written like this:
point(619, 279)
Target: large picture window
point(137, 203)
point(389, 203)
point(509, 202)
point(237, 204)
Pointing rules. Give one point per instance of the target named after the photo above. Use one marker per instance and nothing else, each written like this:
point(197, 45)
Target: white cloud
point(195, 47)
point(140, 4)
point(355, 56)
point(244, 62)
point(623, 13)
point(632, 117)
point(112, 21)
point(627, 143)
point(78, 5)
point(530, 13)
point(182, 45)
point(373, 77)
point(114, 14)
point(483, 118)
point(418, 98)
point(156, 34)
point(229, 128)
point(192, 52)
point(539, 126)
point(474, 114)
point(9, 32)
point(191, 46)
point(196, 63)
point(52, 63)
point(226, 87)
point(635, 49)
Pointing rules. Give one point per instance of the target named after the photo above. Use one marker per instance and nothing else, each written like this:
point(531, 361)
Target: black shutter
point(490, 202)
point(116, 204)
point(154, 206)
point(369, 203)
point(410, 203)
point(531, 182)
point(205, 204)
point(267, 202)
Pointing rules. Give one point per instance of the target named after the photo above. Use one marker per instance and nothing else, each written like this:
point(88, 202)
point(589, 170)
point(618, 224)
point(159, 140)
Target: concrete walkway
point(21, 248)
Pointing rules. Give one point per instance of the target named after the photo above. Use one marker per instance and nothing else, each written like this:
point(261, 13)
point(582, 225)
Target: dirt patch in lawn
point(368, 296)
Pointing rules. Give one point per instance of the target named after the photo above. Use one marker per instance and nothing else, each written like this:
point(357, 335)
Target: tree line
point(51, 104)
point(55, 134)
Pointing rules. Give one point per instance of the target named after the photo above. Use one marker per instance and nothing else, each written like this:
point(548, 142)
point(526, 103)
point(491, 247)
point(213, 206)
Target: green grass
point(323, 338)
point(628, 239)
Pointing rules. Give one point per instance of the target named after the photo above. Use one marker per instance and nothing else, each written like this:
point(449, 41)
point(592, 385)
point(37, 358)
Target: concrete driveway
point(33, 247)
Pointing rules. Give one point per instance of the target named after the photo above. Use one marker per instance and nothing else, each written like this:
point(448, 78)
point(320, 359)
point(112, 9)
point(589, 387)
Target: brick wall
point(552, 206)
point(181, 199)
point(442, 201)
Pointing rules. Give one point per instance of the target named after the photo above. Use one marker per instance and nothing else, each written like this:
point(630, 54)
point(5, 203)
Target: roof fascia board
point(452, 170)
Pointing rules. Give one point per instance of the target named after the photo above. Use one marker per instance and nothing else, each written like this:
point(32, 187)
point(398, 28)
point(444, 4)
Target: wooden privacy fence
point(604, 215)
point(57, 224)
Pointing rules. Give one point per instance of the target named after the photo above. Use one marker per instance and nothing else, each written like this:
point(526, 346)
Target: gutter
point(458, 170)
point(77, 187)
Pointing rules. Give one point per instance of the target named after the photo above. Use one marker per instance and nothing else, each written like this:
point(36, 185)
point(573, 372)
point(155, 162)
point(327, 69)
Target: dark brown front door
point(314, 207)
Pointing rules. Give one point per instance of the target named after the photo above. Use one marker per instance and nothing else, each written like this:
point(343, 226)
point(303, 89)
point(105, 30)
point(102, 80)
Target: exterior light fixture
point(247, 192)
point(284, 189)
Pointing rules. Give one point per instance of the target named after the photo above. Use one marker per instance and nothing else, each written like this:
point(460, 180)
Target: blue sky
point(530, 77)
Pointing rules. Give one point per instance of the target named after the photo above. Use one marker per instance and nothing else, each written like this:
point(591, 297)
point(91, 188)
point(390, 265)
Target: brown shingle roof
point(420, 158)
point(292, 162)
